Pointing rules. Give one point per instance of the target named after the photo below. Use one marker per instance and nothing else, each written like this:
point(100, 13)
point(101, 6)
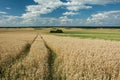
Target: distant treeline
point(65, 27)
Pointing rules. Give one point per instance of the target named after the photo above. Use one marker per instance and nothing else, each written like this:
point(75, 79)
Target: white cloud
point(39, 21)
point(100, 2)
point(70, 13)
point(33, 14)
point(8, 8)
point(65, 20)
point(7, 20)
point(78, 7)
point(29, 15)
point(1, 12)
point(43, 7)
point(105, 18)
point(48, 6)
point(75, 5)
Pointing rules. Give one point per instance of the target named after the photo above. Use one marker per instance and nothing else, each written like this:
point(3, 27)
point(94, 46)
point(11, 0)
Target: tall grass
point(85, 59)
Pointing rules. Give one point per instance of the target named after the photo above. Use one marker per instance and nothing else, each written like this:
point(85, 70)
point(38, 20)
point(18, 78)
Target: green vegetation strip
point(94, 34)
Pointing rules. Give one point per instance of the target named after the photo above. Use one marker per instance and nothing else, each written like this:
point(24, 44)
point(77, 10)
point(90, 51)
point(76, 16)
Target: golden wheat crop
point(27, 56)
point(20, 36)
point(12, 46)
point(85, 59)
point(33, 66)
point(9, 51)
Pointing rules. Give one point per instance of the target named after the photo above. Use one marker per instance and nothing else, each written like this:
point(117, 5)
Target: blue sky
point(59, 13)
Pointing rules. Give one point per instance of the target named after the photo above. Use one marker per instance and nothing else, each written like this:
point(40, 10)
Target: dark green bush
point(56, 31)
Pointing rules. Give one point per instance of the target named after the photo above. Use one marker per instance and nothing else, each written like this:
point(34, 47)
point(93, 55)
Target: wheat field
point(33, 67)
point(12, 46)
point(32, 55)
point(85, 59)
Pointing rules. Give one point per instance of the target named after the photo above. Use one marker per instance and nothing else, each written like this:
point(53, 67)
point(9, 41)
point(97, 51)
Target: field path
point(51, 60)
point(24, 53)
point(36, 62)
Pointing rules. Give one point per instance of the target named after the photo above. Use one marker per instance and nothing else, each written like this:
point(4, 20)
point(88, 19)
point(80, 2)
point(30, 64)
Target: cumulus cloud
point(48, 6)
point(101, 2)
point(1, 12)
point(33, 14)
point(65, 20)
point(7, 20)
point(43, 7)
point(70, 13)
point(8, 8)
point(105, 18)
point(76, 5)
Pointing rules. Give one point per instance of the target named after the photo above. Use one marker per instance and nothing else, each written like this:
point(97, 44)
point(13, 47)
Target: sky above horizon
point(17, 13)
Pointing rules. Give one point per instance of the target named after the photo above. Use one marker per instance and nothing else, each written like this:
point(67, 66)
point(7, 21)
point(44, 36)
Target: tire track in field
point(19, 58)
point(51, 60)
point(24, 53)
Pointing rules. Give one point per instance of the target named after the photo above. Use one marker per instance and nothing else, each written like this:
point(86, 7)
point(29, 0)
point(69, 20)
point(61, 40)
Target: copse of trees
point(56, 30)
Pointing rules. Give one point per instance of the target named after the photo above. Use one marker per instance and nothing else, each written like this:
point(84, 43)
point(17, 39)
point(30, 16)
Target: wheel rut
point(19, 58)
point(25, 52)
point(51, 60)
